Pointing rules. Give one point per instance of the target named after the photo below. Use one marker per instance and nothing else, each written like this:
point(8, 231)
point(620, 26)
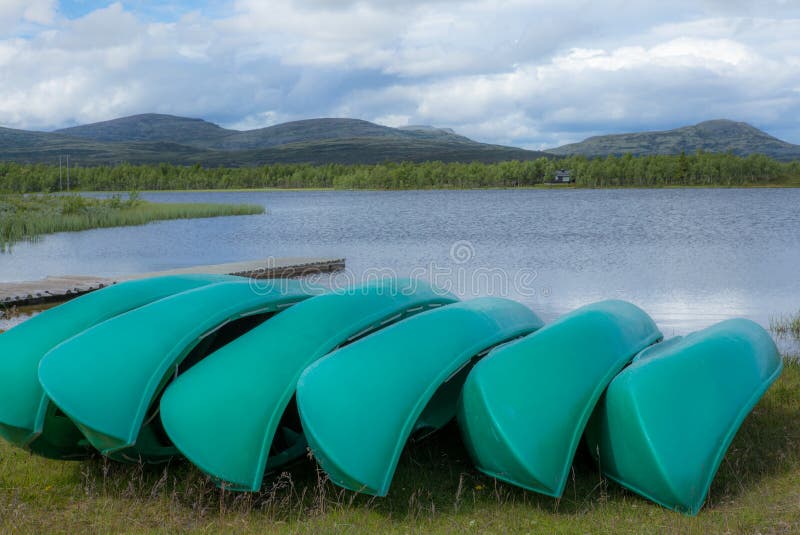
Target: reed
point(786, 327)
point(28, 217)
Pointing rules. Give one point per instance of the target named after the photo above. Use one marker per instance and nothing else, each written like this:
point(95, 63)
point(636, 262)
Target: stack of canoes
point(242, 379)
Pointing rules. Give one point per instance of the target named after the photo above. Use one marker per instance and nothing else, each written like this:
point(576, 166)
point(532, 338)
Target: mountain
point(202, 134)
point(427, 130)
point(46, 147)
point(151, 127)
point(373, 150)
point(711, 136)
point(311, 130)
point(152, 138)
point(306, 131)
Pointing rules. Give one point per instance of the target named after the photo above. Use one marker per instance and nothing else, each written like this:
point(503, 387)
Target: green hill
point(375, 150)
point(151, 127)
point(712, 136)
point(42, 147)
point(153, 138)
point(202, 134)
point(327, 129)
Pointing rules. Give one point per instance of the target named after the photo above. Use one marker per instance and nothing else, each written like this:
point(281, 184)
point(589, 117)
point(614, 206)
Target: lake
point(690, 257)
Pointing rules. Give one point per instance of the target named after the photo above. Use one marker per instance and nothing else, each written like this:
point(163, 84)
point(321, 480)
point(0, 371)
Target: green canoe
point(667, 420)
point(107, 379)
point(241, 430)
point(27, 419)
point(360, 405)
point(524, 407)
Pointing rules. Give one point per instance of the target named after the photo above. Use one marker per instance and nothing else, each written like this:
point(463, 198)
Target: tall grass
point(786, 326)
point(26, 218)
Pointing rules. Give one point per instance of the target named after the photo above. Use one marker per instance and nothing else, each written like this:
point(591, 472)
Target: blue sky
point(147, 9)
point(532, 73)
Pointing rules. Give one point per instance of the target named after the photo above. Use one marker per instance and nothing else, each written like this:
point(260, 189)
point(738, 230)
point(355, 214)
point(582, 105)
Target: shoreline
point(493, 188)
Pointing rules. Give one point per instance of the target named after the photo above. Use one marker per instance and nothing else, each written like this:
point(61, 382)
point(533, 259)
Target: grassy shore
point(435, 490)
point(28, 217)
point(786, 328)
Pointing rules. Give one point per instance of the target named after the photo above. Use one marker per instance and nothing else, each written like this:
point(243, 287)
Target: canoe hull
point(107, 378)
point(524, 407)
point(232, 435)
point(26, 417)
point(667, 420)
point(361, 404)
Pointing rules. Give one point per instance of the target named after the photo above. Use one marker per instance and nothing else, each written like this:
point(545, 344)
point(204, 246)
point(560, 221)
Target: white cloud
point(21, 14)
point(259, 120)
point(526, 72)
point(681, 80)
point(393, 120)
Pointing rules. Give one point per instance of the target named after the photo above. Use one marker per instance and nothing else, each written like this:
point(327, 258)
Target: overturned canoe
point(360, 405)
point(27, 419)
point(525, 405)
point(107, 378)
point(235, 434)
point(667, 420)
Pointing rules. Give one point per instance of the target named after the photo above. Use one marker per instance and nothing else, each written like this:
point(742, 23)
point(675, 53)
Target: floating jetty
point(61, 288)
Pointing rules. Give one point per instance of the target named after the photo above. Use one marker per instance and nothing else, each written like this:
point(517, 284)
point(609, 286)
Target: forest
point(700, 169)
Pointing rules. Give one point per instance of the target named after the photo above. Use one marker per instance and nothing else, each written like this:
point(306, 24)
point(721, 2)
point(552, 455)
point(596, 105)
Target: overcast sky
point(532, 73)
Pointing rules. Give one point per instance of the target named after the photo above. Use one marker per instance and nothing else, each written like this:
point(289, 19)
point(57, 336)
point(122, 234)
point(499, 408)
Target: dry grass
point(435, 489)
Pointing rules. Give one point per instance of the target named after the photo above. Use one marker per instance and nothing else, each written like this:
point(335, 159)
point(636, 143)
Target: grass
point(26, 218)
point(435, 490)
point(786, 327)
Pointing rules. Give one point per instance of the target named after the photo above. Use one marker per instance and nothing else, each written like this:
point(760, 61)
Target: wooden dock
point(54, 289)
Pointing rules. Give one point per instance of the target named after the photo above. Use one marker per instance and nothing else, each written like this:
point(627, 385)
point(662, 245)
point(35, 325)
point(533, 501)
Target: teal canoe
point(360, 404)
point(525, 405)
point(107, 378)
point(667, 420)
point(244, 428)
point(27, 418)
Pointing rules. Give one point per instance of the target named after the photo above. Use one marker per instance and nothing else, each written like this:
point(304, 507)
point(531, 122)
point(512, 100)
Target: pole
point(60, 182)
point(67, 172)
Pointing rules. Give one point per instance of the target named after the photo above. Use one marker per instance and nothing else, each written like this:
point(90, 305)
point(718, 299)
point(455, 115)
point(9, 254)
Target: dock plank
point(61, 288)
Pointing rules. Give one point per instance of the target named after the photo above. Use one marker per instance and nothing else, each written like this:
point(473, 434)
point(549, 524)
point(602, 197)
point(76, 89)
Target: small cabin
point(562, 177)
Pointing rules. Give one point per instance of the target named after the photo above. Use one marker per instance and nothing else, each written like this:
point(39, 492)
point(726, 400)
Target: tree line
point(700, 169)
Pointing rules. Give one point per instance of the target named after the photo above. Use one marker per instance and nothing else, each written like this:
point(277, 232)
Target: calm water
point(689, 257)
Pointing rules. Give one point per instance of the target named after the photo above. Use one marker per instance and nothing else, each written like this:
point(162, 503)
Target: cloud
point(20, 14)
point(534, 73)
point(587, 91)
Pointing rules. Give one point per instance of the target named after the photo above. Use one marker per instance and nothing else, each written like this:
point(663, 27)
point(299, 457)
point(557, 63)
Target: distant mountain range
point(711, 136)
point(154, 138)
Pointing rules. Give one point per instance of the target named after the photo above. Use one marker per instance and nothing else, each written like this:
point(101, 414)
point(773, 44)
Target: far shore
point(492, 188)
